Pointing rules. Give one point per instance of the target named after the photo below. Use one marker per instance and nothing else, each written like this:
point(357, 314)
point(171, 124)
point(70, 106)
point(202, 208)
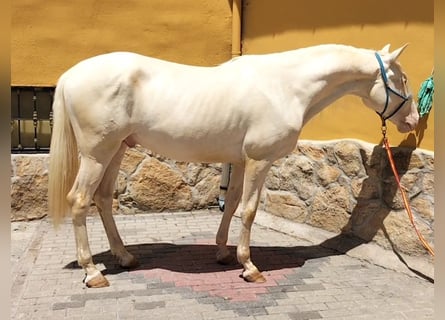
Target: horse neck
point(332, 72)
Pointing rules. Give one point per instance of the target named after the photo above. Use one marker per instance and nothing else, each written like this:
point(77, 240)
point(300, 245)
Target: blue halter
point(388, 90)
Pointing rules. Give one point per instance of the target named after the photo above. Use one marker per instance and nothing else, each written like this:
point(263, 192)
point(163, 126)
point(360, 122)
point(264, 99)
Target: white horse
point(248, 112)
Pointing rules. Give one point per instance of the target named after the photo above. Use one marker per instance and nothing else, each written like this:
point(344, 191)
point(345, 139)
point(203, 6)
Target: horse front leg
point(254, 176)
point(231, 202)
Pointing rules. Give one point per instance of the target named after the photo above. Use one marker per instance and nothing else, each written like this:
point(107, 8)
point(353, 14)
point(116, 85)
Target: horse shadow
point(365, 221)
point(422, 126)
point(378, 196)
point(200, 258)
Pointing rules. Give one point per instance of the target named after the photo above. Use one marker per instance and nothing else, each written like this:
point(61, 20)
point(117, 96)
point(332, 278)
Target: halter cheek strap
point(388, 89)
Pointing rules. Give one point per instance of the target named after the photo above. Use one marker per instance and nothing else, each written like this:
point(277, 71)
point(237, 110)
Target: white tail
point(64, 162)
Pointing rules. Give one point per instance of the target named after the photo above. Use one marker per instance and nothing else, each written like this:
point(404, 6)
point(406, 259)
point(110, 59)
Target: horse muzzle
point(409, 124)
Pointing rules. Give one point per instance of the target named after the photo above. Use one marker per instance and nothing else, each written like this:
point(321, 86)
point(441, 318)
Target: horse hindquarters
point(69, 195)
point(64, 182)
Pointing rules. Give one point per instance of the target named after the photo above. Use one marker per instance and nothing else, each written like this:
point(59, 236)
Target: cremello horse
point(248, 112)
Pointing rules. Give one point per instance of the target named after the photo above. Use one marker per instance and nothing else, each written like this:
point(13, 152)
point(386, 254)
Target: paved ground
point(179, 279)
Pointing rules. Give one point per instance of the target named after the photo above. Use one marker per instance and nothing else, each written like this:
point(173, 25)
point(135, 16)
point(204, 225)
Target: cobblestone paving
point(178, 277)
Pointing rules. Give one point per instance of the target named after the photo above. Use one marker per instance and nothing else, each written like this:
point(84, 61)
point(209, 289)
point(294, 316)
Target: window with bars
point(31, 119)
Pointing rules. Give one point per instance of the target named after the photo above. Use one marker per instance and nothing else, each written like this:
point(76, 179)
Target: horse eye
point(404, 79)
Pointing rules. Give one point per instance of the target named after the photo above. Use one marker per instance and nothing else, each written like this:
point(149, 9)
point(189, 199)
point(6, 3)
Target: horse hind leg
point(104, 201)
point(88, 177)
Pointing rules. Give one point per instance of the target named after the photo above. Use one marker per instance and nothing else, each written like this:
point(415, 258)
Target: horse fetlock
point(223, 256)
point(127, 260)
point(86, 263)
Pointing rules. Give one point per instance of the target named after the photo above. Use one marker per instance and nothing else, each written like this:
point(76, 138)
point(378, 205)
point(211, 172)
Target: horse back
point(184, 112)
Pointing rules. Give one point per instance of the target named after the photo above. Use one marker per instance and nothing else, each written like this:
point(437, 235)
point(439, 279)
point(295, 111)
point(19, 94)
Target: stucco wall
point(288, 24)
point(49, 36)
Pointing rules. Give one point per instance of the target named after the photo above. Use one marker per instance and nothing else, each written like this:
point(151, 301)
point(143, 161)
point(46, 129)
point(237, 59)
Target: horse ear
point(385, 49)
point(396, 53)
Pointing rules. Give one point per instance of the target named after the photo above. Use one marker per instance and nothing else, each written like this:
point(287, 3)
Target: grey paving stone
point(173, 248)
point(149, 305)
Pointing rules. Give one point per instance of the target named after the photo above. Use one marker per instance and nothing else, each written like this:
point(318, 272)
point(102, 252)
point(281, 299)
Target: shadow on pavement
point(200, 258)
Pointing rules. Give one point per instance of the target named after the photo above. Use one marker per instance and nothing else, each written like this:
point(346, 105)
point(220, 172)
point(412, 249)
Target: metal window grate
point(31, 119)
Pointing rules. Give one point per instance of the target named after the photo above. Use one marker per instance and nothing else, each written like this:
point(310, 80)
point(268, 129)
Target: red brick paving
point(226, 284)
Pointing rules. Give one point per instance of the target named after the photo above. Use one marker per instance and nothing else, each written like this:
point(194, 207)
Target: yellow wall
point(49, 36)
point(279, 25)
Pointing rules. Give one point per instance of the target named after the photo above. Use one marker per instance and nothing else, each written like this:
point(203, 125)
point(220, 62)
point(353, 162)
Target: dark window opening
point(31, 119)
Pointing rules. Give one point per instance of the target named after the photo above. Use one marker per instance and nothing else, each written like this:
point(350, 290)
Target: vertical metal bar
point(19, 124)
point(51, 123)
point(34, 117)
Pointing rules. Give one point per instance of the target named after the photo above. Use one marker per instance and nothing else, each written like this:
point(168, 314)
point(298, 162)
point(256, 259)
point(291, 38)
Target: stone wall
point(341, 186)
point(348, 187)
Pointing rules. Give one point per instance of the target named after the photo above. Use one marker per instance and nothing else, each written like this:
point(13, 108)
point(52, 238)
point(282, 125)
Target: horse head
point(390, 95)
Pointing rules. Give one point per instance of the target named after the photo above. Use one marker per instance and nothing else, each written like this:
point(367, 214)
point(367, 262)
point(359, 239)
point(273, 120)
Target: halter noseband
point(388, 89)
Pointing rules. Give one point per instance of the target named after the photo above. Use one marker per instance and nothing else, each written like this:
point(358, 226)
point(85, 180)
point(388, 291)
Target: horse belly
point(187, 124)
point(205, 149)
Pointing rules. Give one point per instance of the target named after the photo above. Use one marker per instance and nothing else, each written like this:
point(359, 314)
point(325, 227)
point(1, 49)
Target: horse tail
point(64, 163)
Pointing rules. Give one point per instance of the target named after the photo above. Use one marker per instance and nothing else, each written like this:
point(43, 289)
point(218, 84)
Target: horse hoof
point(98, 281)
point(224, 258)
point(130, 263)
point(255, 277)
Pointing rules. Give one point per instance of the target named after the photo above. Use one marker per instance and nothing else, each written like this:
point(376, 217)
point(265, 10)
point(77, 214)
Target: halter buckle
point(384, 129)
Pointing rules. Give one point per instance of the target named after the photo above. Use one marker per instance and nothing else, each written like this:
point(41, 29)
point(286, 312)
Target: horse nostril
point(412, 125)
